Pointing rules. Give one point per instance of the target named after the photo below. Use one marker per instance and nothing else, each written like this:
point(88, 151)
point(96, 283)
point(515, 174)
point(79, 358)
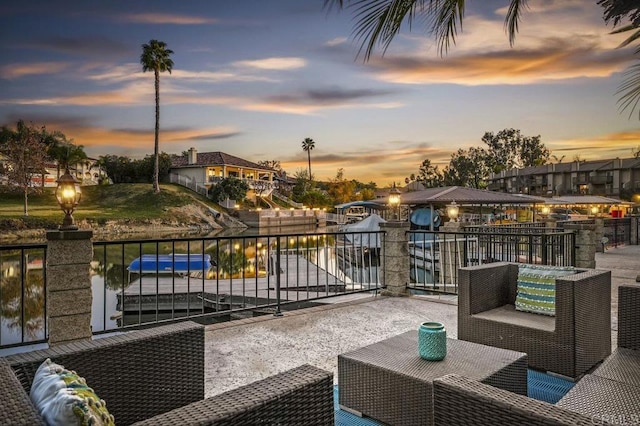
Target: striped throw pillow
point(537, 288)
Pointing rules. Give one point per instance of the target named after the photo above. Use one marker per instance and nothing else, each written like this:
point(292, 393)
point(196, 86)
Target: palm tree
point(156, 57)
point(307, 145)
point(379, 21)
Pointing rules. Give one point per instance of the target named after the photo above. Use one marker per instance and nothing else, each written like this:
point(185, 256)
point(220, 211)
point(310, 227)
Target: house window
point(583, 189)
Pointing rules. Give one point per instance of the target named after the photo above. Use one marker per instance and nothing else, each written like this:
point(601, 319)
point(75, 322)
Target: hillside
point(106, 208)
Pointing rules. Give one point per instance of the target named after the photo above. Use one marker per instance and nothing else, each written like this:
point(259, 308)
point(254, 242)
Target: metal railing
point(248, 275)
point(436, 256)
point(23, 294)
point(617, 231)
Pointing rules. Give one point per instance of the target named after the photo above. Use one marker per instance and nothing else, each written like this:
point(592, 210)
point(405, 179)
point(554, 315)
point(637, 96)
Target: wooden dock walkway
point(298, 276)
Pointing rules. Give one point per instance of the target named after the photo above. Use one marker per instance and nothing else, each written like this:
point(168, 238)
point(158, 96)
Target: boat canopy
point(367, 225)
point(170, 263)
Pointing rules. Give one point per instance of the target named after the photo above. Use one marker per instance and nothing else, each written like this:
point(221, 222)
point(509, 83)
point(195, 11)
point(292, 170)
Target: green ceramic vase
point(432, 341)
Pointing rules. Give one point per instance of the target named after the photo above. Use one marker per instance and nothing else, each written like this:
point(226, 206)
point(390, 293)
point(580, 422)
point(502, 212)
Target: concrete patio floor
point(242, 351)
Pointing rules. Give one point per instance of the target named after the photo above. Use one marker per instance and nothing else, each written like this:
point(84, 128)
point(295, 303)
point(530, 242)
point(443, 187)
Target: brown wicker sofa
point(572, 342)
point(608, 395)
point(156, 376)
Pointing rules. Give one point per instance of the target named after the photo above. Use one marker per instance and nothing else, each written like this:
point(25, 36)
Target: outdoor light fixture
point(452, 211)
point(594, 210)
point(546, 210)
point(68, 194)
point(394, 200)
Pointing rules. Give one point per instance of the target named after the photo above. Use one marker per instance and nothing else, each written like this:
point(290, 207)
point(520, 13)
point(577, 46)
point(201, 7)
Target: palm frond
point(512, 20)
point(630, 90)
point(633, 37)
point(447, 16)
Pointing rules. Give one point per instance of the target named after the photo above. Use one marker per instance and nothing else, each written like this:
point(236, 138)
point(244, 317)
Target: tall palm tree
point(379, 21)
point(307, 145)
point(156, 57)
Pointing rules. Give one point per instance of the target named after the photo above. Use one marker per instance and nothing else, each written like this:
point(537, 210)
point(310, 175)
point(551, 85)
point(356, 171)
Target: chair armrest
point(629, 316)
point(485, 287)
point(458, 400)
point(139, 374)
point(301, 396)
point(15, 406)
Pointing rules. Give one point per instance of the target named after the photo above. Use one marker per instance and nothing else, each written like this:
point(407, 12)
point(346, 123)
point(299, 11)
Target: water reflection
point(21, 307)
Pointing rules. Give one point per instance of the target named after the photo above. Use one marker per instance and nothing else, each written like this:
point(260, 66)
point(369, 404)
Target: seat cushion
point(508, 314)
point(603, 400)
point(536, 291)
point(623, 366)
point(63, 398)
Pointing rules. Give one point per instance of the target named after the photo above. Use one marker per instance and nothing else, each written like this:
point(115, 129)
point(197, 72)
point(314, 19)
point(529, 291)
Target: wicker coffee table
point(388, 381)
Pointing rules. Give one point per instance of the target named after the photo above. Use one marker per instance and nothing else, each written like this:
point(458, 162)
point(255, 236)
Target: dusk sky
point(253, 78)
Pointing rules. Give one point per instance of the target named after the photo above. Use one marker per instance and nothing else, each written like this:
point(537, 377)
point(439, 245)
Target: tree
point(341, 189)
point(307, 145)
point(509, 148)
point(271, 164)
point(429, 176)
point(64, 151)
point(379, 21)
point(156, 57)
point(636, 152)
point(26, 154)
point(467, 168)
point(229, 188)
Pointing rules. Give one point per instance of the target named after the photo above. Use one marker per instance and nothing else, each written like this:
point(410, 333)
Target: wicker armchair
point(571, 343)
point(147, 373)
point(609, 395)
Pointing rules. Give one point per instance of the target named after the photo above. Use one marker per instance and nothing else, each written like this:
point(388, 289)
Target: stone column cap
point(81, 234)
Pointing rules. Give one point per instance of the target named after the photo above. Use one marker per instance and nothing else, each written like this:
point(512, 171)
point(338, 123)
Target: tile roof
point(216, 158)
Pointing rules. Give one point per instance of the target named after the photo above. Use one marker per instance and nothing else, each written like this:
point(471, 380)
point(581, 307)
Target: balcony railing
point(220, 278)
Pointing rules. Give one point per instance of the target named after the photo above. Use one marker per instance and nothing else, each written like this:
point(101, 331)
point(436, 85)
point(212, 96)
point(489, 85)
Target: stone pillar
point(599, 234)
point(451, 252)
point(585, 243)
point(635, 232)
point(395, 252)
point(69, 297)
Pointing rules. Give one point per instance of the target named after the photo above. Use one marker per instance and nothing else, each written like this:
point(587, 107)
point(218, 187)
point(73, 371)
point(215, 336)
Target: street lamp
point(452, 211)
point(68, 194)
point(394, 200)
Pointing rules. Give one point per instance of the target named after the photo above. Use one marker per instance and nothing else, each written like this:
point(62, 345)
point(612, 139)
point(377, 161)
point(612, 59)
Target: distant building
point(614, 177)
point(200, 171)
point(87, 172)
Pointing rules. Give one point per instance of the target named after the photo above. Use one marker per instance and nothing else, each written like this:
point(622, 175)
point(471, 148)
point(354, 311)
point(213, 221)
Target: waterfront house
point(204, 169)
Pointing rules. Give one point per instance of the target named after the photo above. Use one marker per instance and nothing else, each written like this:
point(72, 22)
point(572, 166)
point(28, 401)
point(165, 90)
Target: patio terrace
point(243, 351)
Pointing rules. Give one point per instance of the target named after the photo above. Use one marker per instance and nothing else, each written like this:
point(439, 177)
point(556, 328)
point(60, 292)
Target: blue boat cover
point(421, 219)
point(170, 263)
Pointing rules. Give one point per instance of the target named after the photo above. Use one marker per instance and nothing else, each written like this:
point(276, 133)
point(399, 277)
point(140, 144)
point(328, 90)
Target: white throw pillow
point(61, 397)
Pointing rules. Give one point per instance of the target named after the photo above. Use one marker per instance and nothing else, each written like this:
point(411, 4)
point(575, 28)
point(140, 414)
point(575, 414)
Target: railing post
point(69, 298)
point(395, 252)
point(277, 313)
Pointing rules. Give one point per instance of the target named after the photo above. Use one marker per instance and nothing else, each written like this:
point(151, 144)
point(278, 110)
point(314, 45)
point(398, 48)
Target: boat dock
point(167, 292)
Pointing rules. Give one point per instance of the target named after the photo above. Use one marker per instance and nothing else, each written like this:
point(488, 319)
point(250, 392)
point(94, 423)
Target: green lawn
point(104, 202)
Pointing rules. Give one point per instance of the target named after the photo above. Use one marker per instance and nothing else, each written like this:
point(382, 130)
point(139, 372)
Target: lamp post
point(394, 201)
point(452, 211)
point(68, 194)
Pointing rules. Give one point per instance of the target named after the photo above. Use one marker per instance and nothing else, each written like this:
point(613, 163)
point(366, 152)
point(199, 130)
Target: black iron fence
point(22, 294)
point(436, 256)
point(617, 231)
point(217, 279)
point(221, 278)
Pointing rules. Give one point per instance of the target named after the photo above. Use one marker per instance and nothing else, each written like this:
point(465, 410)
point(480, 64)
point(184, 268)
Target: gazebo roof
point(584, 199)
point(462, 195)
